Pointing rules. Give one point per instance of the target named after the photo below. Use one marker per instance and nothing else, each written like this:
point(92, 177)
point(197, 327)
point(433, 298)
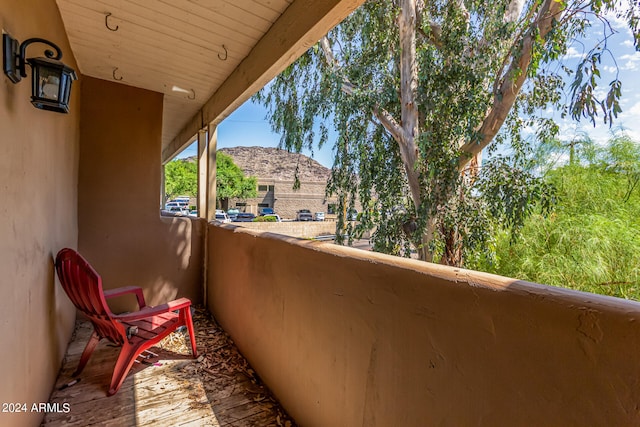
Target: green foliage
point(181, 178)
point(265, 219)
point(512, 192)
point(230, 180)
point(591, 242)
point(466, 52)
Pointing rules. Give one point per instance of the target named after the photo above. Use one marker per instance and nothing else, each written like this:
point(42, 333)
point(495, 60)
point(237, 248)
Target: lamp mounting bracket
point(14, 59)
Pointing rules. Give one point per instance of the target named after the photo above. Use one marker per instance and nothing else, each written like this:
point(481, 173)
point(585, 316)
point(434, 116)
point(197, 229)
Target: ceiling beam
point(301, 25)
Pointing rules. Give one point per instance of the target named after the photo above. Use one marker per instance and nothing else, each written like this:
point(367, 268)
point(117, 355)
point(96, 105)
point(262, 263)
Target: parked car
point(182, 201)
point(176, 210)
point(319, 216)
point(222, 216)
point(193, 213)
point(233, 213)
point(172, 204)
point(244, 217)
point(304, 215)
point(267, 211)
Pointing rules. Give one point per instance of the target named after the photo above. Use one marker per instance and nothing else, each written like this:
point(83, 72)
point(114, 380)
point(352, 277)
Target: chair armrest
point(111, 293)
point(178, 304)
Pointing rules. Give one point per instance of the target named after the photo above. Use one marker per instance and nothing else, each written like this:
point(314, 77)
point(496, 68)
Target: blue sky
point(248, 126)
point(624, 61)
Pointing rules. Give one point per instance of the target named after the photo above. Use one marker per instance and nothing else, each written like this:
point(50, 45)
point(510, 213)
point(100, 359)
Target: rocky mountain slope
point(274, 163)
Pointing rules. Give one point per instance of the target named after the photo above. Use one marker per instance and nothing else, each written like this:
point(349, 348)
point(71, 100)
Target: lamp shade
point(51, 84)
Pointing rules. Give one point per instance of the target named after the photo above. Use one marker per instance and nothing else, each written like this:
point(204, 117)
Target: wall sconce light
point(51, 79)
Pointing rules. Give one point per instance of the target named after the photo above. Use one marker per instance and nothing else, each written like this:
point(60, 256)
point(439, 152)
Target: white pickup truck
point(304, 215)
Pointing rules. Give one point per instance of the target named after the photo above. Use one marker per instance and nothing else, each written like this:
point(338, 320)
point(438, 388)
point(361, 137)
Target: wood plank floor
point(218, 389)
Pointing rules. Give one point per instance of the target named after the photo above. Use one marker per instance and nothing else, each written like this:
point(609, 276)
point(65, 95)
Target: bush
point(591, 242)
point(265, 219)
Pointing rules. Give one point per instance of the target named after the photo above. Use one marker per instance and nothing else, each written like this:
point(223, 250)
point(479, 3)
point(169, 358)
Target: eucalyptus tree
point(415, 90)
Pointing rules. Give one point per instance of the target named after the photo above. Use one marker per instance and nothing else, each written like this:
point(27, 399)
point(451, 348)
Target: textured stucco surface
point(38, 216)
point(121, 231)
point(346, 337)
point(302, 229)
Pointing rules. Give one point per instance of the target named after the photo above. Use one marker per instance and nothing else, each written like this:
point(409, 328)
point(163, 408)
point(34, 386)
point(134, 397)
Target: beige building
point(275, 171)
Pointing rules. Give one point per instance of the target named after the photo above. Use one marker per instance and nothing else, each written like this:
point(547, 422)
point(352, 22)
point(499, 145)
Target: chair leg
point(125, 360)
point(192, 336)
point(88, 351)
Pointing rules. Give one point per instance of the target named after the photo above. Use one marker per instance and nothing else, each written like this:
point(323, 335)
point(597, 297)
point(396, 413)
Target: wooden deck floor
point(218, 389)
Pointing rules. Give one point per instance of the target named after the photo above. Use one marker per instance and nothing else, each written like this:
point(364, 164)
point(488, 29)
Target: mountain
point(277, 164)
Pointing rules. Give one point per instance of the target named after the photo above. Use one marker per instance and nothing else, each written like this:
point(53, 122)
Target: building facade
point(275, 171)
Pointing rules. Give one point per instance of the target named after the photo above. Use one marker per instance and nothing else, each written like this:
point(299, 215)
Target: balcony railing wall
point(346, 337)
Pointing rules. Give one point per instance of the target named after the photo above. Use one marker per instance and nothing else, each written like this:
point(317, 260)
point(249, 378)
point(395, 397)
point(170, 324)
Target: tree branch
point(512, 14)
point(404, 133)
point(514, 10)
point(435, 34)
point(512, 49)
point(389, 123)
point(325, 44)
point(383, 116)
point(435, 30)
point(512, 82)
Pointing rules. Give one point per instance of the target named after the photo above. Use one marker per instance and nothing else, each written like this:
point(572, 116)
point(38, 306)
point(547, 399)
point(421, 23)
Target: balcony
point(341, 337)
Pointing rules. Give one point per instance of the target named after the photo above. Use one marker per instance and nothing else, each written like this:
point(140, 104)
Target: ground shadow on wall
point(180, 260)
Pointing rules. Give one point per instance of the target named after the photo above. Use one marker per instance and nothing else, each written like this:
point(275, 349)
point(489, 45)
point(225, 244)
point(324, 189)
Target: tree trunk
point(408, 90)
point(452, 248)
point(424, 253)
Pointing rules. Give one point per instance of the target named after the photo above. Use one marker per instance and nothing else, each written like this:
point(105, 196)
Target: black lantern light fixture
point(51, 79)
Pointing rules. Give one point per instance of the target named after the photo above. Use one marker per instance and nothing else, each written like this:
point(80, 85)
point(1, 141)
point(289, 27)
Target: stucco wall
point(302, 229)
point(351, 338)
point(38, 188)
point(121, 231)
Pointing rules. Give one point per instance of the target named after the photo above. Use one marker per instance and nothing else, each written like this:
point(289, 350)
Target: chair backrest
point(83, 285)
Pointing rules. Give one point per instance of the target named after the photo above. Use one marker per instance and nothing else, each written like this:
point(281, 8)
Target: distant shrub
point(265, 219)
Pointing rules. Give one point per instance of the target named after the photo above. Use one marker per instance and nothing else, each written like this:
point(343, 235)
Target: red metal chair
point(135, 332)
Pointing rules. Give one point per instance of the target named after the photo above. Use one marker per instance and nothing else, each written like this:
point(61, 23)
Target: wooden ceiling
point(205, 56)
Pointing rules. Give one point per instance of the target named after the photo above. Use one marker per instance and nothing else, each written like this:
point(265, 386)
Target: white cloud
point(634, 134)
point(618, 23)
point(568, 130)
point(572, 53)
point(601, 92)
point(528, 130)
point(630, 61)
point(624, 102)
point(627, 43)
point(633, 112)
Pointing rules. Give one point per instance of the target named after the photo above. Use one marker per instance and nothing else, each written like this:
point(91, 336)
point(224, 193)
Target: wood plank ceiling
point(184, 49)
